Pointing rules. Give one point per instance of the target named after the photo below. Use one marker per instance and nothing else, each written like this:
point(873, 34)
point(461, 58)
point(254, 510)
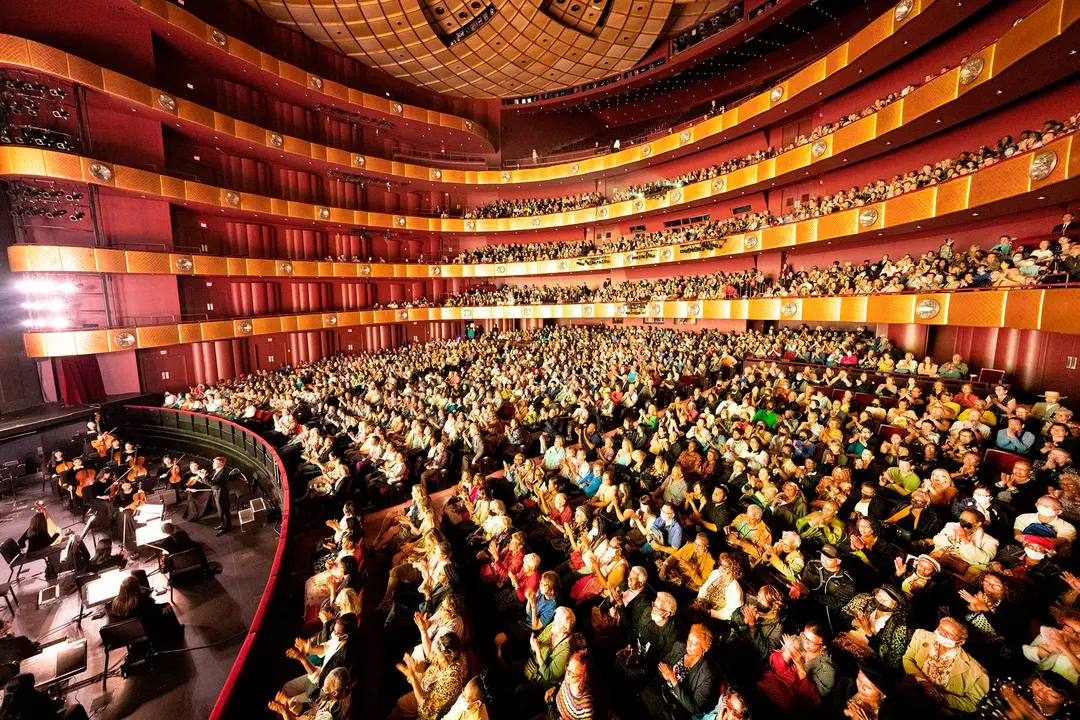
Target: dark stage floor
point(216, 615)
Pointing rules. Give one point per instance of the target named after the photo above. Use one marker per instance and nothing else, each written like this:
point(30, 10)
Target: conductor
point(219, 485)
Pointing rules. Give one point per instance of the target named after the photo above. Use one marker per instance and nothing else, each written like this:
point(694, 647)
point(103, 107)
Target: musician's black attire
point(125, 518)
point(219, 483)
point(198, 503)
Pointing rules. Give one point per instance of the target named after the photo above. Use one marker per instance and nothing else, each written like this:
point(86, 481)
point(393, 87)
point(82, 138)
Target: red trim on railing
point(271, 582)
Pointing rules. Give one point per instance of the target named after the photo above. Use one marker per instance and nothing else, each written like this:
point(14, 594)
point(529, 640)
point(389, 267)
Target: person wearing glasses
point(801, 673)
point(964, 547)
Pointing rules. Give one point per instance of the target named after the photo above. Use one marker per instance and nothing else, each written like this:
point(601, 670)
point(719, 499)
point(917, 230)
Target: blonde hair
point(349, 601)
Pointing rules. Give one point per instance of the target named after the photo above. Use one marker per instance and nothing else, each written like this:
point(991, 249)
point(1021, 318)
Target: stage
point(181, 683)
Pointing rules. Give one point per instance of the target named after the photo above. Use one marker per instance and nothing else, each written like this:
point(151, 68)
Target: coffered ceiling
point(492, 48)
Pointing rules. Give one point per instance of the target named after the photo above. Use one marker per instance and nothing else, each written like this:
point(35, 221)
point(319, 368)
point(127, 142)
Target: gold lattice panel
point(526, 46)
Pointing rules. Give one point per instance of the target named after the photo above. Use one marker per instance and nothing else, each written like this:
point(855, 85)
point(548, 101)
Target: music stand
point(247, 517)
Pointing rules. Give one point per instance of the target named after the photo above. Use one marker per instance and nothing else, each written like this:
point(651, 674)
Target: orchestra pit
point(539, 359)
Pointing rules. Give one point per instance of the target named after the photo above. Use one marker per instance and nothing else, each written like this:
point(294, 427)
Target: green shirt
point(551, 671)
point(909, 482)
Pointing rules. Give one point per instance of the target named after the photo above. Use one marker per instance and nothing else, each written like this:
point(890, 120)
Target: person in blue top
point(540, 609)
point(591, 482)
point(668, 528)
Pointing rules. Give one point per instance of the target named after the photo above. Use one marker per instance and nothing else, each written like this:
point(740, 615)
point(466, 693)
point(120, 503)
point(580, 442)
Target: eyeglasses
point(966, 525)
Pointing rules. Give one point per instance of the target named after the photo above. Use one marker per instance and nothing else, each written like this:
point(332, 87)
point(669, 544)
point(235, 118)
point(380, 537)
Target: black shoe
point(222, 531)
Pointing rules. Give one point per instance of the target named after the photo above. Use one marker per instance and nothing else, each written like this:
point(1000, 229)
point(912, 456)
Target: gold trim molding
point(1048, 310)
point(1009, 179)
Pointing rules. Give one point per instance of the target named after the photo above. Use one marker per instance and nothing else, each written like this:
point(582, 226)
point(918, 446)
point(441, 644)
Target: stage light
point(57, 321)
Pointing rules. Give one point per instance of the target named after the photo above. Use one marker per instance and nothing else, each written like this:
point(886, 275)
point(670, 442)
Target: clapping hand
point(1072, 580)
point(293, 654)
point(667, 673)
point(302, 645)
point(976, 602)
point(750, 615)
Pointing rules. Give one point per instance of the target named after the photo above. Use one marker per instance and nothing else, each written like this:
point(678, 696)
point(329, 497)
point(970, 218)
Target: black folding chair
point(118, 635)
point(184, 565)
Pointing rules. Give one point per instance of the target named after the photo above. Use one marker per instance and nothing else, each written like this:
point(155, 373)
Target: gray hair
point(667, 601)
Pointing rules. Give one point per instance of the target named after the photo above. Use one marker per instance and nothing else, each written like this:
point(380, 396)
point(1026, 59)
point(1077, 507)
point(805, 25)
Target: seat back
point(10, 550)
point(186, 563)
point(123, 633)
point(999, 461)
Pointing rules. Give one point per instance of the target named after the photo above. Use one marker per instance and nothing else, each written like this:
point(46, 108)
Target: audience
point(764, 543)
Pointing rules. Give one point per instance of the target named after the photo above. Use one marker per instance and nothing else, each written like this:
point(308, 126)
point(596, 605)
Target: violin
point(175, 473)
point(85, 478)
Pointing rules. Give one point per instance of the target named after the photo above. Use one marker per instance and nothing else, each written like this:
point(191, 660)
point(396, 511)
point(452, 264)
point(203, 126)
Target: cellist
point(59, 470)
point(127, 498)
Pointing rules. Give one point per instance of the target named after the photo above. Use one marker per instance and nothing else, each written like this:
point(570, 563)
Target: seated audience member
point(1042, 695)
point(940, 674)
point(687, 687)
point(963, 547)
point(651, 638)
point(337, 651)
point(689, 565)
point(801, 673)
point(333, 703)
point(470, 705)
point(572, 699)
point(721, 595)
point(436, 685)
point(550, 650)
point(1047, 522)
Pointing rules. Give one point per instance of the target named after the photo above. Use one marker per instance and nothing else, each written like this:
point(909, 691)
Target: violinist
point(198, 494)
point(128, 454)
point(93, 433)
point(170, 475)
point(114, 456)
point(98, 496)
point(63, 472)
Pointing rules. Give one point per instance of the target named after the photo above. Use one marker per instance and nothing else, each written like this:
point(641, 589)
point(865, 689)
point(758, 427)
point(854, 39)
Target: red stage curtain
point(79, 378)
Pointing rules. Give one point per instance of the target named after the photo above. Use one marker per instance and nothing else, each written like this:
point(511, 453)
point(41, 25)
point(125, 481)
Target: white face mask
point(1034, 554)
point(982, 501)
point(943, 641)
point(657, 618)
point(1047, 513)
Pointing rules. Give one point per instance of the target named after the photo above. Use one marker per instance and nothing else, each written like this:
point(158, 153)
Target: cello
point(137, 465)
point(104, 443)
point(85, 478)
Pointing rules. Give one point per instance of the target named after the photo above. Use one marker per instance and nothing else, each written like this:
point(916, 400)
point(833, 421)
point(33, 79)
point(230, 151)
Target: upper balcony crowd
point(928, 175)
point(1005, 264)
point(525, 207)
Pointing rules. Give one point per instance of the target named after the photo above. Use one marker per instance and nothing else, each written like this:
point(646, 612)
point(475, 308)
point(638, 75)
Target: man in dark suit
point(219, 486)
point(1067, 227)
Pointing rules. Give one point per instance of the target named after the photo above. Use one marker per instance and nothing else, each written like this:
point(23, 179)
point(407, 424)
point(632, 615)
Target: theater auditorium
point(539, 359)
